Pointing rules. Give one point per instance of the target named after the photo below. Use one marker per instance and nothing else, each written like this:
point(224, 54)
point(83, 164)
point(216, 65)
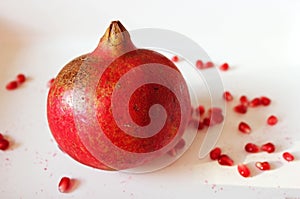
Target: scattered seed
point(251, 148)
point(224, 67)
point(268, 147)
point(64, 184)
point(263, 166)
point(215, 153)
point(175, 58)
point(242, 109)
point(244, 100)
point(4, 144)
point(244, 127)
point(254, 102)
point(288, 156)
point(265, 101)
point(201, 109)
point(225, 160)
point(208, 64)
point(243, 170)
point(12, 85)
point(199, 64)
point(227, 96)
point(21, 78)
point(50, 82)
point(272, 120)
point(206, 121)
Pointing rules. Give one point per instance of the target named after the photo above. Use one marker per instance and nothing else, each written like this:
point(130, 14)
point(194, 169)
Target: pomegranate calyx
point(115, 34)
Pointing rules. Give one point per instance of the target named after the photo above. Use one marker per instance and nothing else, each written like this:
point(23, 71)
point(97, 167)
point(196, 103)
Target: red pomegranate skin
point(113, 58)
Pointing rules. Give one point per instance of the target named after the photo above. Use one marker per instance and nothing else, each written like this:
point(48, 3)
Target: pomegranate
point(118, 107)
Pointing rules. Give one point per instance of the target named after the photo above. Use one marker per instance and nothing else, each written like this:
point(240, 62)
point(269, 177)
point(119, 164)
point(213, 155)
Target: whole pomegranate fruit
point(118, 107)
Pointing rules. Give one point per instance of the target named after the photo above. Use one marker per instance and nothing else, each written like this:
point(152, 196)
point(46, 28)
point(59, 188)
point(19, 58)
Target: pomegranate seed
point(208, 64)
point(206, 121)
point(255, 102)
point(242, 109)
point(263, 166)
point(64, 185)
point(244, 100)
point(201, 109)
point(225, 160)
point(265, 101)
point(199, 64)
point(227, 96)
point(50, 82)
point(224, 67)
point(21, 78)
point(251, 148)
point(200, 125)
point(4, 144)
point(268, 147)
point(12, 85)
point(1, 136)
point(288, 156)
point(175, 58)
point(215, 153)
point(244, 127)
point(272, 120)
point(243, 170)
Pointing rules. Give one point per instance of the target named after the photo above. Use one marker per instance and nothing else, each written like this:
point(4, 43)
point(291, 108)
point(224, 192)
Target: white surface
point(258, 38)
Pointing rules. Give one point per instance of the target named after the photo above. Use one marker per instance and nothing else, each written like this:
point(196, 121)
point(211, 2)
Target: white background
point(259, 39)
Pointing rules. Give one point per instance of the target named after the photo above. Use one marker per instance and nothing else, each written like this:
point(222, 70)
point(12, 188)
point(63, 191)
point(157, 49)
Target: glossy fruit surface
point(118, 107)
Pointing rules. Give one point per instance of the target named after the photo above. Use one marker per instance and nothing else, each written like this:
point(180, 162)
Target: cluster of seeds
point(245, 128)
point(14, 84)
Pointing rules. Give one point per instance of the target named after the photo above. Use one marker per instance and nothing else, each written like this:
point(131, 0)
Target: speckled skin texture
point(109, 58)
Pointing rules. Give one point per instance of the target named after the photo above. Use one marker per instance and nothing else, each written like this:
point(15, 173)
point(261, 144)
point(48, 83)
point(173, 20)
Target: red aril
point(64, 184)
point(265, 101)
point(227, 96)
point(21, 78)
point(215, 153)
point(288, 156)
point(12, 85)
point(208, 64)
point(242, 109)
point(225, 160)
point(4, 144)
point(201, 109)
point(50, 82)
point(243, 170)
point(224, 67)
point(244, 100)
point(200, 125)
point(272, 120)
point(268, 147)
point(254, 102)
point(175, 58)
point(199, 64)
point(206, 121)
point(1, 136)
point(251, 148)
point(263, 166)
point(244, 127)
